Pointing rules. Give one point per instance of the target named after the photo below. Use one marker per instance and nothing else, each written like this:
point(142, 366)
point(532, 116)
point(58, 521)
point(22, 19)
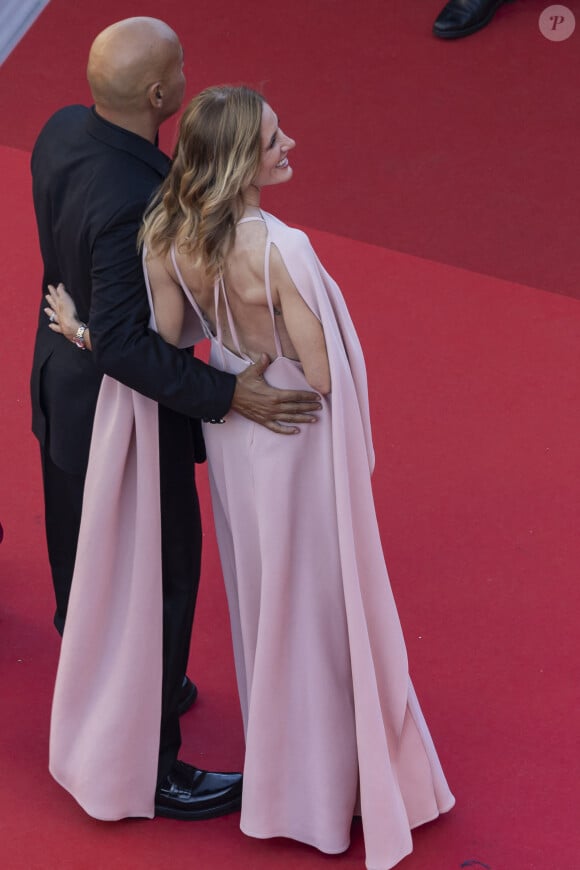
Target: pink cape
point(106, 711)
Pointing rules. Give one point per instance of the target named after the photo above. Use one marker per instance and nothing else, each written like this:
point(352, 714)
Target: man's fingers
point(282, 430)
point(291, 397)
point(294, 413)
point(296, 408)
point(260, 367)
point(270, 407)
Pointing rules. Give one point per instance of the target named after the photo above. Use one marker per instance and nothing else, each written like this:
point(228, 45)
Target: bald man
point(94, 171)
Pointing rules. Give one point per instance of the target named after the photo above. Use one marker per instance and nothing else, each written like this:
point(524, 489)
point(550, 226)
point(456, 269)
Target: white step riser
point(16, 16)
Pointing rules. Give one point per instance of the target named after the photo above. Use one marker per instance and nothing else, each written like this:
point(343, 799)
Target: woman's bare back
point(299, 330)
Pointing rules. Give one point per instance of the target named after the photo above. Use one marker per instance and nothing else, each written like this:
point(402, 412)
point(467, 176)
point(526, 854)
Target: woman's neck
point(252, 196)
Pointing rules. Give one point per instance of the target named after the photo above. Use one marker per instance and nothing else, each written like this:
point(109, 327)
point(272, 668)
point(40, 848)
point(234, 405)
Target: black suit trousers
point(181, 563)
point(63, 501)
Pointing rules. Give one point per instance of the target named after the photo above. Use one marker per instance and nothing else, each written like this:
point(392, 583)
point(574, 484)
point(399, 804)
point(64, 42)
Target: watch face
point(79, 338)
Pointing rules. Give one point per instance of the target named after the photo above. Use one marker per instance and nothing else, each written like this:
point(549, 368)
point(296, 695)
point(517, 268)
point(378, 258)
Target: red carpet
point(474, 386)
point(461, 152)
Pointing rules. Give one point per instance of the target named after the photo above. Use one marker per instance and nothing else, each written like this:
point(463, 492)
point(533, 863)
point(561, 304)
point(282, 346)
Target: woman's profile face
point(274, 164)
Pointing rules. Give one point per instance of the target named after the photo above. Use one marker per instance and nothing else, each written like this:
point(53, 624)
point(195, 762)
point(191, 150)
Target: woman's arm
point(304, 328)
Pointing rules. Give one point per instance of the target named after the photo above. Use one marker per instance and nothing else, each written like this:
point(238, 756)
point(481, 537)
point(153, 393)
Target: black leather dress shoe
point(192, 794)
point(462, 17)
point(187, 696)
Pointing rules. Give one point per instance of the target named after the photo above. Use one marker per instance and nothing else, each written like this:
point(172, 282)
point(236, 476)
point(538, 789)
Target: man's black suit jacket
point(91, 183)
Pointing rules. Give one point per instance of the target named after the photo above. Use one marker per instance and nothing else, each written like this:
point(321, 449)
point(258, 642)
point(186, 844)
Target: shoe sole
point(199, 815)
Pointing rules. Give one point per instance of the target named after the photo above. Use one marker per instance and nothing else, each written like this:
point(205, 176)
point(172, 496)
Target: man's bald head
point(131, 62)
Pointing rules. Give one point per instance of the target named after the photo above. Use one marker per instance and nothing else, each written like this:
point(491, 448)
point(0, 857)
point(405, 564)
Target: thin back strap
point(152, 321)
point(269, 295)
point(204, 324)
point(220, 286)
point(218, 326)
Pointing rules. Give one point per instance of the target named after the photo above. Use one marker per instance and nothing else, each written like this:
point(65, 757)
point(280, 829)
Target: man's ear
point(155, 94)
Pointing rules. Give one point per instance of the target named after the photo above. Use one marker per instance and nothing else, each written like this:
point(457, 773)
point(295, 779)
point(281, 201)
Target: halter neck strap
point(252, 217)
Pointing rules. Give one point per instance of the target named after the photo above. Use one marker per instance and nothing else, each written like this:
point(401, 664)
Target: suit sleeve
point(123, 345)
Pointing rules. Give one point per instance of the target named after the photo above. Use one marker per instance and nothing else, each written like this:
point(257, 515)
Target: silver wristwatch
point(79, 338)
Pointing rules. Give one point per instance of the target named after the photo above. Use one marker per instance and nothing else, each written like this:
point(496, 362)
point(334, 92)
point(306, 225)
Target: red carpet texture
point(451, 168)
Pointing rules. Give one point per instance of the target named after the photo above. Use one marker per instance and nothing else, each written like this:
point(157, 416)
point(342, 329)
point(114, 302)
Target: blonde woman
point(333, 727)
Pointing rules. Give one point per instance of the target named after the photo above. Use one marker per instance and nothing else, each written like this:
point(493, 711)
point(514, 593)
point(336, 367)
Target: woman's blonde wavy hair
point(216, 158)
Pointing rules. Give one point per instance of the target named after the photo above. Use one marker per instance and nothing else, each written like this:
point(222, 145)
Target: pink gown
point(332, 723)
point(330, 714)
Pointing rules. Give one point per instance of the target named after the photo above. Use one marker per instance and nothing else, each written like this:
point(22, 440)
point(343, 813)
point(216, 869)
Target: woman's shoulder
point(289, 240)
